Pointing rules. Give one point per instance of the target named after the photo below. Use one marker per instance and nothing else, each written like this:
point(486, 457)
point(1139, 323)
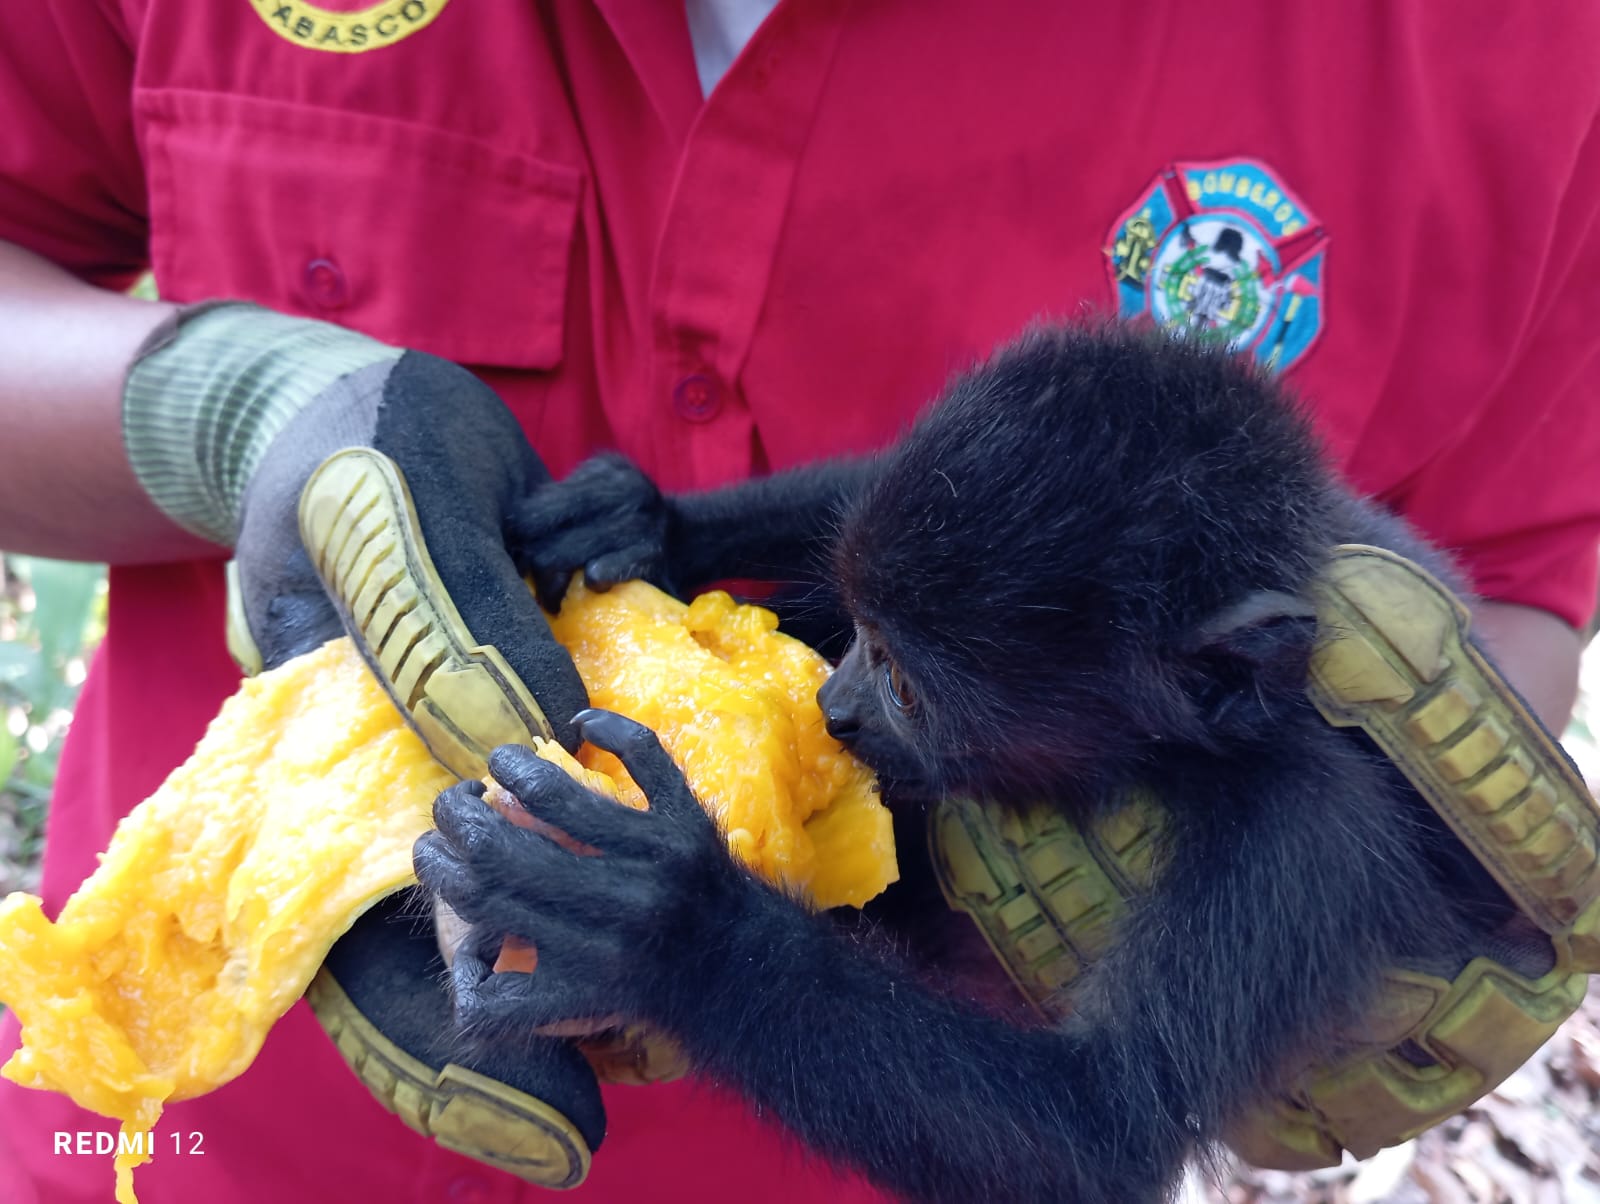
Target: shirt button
point(697, 398)
point(325, 284)
point(468, 1190)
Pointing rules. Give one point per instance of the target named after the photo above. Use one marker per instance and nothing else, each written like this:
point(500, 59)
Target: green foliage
point(52, 614)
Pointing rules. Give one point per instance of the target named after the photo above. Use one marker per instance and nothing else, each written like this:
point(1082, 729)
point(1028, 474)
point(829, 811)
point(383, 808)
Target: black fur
point(1086, 567)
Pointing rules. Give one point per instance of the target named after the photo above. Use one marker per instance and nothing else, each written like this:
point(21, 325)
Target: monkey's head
point(1059, 572)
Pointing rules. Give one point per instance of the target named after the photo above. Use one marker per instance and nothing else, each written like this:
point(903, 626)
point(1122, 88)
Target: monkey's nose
point(842, 726)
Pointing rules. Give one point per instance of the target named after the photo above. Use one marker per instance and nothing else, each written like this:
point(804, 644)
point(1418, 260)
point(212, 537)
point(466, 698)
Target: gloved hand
point(230, 414)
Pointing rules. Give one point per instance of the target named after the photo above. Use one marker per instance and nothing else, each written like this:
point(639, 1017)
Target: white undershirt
point(719, 30)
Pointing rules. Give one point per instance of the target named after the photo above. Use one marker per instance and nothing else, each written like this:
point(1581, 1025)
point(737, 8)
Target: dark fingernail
point(551, 588)
point(596, 720)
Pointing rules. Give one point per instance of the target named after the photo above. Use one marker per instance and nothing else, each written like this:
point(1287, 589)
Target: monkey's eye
point(899, 690)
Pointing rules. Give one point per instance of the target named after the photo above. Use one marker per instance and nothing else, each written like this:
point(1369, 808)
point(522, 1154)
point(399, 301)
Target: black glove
point(398, 540)
point(463, 459)
point(464, 462)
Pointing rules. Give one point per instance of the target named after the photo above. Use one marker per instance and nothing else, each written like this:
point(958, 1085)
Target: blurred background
point(1535, 1140)
point(52, 615)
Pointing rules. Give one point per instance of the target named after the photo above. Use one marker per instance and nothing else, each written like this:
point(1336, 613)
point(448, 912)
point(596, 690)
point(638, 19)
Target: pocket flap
point(393, 229)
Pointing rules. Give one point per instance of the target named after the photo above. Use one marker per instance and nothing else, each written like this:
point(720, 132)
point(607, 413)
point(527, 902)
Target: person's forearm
point(66, 488)
point(1537, 652)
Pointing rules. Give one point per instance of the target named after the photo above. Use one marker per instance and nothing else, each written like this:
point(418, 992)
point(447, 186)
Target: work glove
point(364, 490)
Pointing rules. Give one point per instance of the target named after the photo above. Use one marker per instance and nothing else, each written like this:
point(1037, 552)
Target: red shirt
point(1394, 204)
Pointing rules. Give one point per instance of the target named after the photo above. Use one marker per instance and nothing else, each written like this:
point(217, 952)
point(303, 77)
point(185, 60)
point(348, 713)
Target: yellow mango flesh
point(735, 704)
point(221, 893)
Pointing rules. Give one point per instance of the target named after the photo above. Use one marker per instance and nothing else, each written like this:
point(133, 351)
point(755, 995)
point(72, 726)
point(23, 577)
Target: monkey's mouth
point(898, 776)
point(900, 786)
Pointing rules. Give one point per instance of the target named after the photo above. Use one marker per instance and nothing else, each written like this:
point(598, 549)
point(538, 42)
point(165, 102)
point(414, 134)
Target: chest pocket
point(421, 237)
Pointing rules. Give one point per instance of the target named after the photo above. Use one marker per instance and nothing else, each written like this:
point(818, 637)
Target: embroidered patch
point(353, 32)
point(1223, 250)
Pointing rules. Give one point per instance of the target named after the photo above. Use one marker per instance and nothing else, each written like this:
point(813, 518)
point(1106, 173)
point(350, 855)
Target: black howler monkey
point(1084, 569)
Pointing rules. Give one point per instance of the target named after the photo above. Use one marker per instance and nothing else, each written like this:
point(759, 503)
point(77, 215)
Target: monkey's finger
point(569, 550)
point(600, 485)
point(556, 1003)
point(474, 959)
point(548, 792)
point(494, 1001)
point(467, 822)
point(579, 980)
point(504, 1001)
point(647, 762)
point(498, 864)
point(561, 989)
point(481, 946)
point(498, 911)
point(484, 866)
point(442, 872)
point(553, 561)
point(556, 509)
point(641, 560)
point(520, 882)
point(601, 897)
point(549, 586)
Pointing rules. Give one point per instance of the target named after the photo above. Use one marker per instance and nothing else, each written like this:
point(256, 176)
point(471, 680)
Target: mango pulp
point(220, 895)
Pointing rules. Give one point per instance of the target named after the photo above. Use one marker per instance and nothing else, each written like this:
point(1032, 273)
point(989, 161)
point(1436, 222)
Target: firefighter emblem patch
point(1223, 250)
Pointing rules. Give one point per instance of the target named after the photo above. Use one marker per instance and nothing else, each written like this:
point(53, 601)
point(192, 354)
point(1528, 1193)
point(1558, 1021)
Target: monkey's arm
point(766, 528)
point(608, 519)
point(1272, 930)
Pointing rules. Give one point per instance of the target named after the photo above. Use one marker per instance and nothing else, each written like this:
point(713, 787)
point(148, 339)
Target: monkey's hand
point(607, 519)
point(611, 521)
point(618, 902)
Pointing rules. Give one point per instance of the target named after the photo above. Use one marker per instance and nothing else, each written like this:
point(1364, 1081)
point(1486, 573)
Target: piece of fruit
point(220, 895)
point(735, 704)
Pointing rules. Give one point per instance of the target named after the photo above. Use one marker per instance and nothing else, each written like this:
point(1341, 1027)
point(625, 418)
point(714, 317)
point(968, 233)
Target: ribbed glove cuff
point(211, 388)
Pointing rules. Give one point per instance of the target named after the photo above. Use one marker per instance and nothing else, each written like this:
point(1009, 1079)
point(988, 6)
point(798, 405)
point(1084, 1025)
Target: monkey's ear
point(1250, 657)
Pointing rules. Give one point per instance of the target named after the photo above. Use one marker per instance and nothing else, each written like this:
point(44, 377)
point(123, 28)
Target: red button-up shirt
point(1394, 204)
